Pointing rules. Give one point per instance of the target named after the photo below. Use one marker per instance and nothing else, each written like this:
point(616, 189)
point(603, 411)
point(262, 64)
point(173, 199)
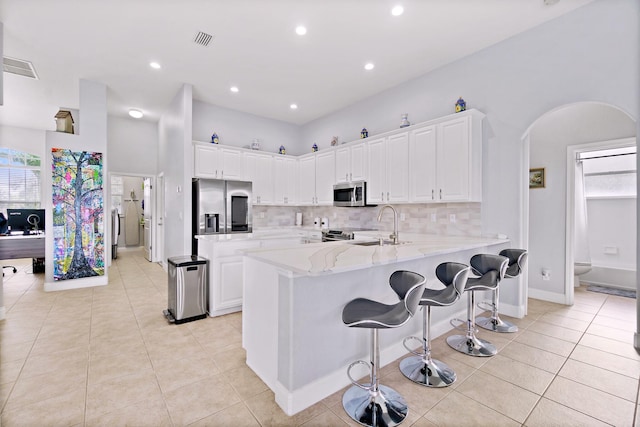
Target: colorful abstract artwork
point(78, 214)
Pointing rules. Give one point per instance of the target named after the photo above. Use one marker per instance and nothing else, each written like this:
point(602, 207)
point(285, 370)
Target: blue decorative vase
point(282, 150)
point(314, 148)
point(364, 133)
point(460, 105)
point(214, 138)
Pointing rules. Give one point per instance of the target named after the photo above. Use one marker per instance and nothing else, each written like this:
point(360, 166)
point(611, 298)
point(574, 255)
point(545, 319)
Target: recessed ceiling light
point(136, 114)
point(301, 30)
point(369, 66)
point(234, 89)
point(293, 106)
point(397, 10)
point(155, 65)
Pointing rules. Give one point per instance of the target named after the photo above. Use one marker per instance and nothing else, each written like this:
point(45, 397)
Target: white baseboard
point(547, 296)
point(511, 310)
point(65, 285)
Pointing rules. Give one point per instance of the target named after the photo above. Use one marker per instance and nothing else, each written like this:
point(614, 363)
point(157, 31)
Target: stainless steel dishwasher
point(188, 289)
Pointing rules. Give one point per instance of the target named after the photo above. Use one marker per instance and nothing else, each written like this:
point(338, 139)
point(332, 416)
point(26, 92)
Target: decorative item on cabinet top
point(460, 105)
point(314, 148)
point(215, 139)
point(255, 144)
point(334, 141)
point(364, 133)
point(404, 121)
point(282, 150)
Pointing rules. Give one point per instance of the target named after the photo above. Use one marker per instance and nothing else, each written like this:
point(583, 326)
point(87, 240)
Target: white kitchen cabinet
point(259, 169)
point(316, 177)
point(388, 169)
point(213, 161)
point(285, 180)
point(350, 163)
point(446, 160)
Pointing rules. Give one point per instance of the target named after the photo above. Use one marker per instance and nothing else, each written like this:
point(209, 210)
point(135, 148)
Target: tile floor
point(106, 357)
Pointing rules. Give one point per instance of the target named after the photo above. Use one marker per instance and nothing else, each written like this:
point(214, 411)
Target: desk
point(13, 247)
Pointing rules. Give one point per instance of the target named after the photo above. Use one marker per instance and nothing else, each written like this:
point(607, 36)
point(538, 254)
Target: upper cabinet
point(213, 161)
point(285, 179)
point(350, 163)
point(446, 160)
point(388, 167)
point(259, 167)
point(316, 177)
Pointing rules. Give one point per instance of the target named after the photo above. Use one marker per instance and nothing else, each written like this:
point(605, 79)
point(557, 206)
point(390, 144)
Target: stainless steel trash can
point(188, 288)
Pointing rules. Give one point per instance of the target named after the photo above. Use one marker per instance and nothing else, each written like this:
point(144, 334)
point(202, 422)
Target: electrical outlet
point(452, 218)
point(402, 217)
point(434, 218)
point(546, 274)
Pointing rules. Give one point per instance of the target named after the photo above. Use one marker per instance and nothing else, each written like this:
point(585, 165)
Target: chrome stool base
point(384, 408)
point(472, 346)
point(429, 373)
point(496, 325)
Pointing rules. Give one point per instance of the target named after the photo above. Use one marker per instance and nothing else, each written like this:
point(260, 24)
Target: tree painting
point(78, 214)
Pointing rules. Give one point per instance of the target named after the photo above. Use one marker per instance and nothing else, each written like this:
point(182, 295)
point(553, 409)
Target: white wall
point(132, 145)
point(23, 139)
point(590, 54)
point(612, 223)
point(239, 129)
point(176, 163)
point(549, 138)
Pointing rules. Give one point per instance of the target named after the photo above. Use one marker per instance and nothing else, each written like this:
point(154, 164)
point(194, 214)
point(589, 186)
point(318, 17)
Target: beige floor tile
point(52, 344)
point(548, 413)
point(595, 403)
point(423, 422)
point(230, 359)
point(27, 391)
point(327, 418)
point(565, 322)
point(245, 382)
point(339, 411)
point(518, 373)
point(191, 369)
point(74, 359)
point(565, 334)
point(108, 367)
point(268, 413)
point(601, 379)
point(610, 346)
point(237, 415)
point(5, 389)
point(14, 352)
point(573, 312)
point(547, 343)
point(201, 399)
point(9, 371)
point(461, 411)
point(150, 412)
point(504, 397)
point(64, 408)
point(541, 359)
point(120, 392)
point(610, 361)
point(612, 333)
point(612, 322)
point(419, 398)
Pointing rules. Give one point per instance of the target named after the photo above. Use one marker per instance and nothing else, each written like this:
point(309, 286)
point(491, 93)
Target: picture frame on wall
point(536, 178)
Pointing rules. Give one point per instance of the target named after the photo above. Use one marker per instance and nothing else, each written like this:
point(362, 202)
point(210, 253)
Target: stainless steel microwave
point(350, 194)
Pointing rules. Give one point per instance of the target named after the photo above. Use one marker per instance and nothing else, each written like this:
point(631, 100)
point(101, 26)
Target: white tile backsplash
point(417, 217)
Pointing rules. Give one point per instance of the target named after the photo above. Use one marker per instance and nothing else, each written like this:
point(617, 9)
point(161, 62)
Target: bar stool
point(421, 368)
point(492, 268)
point(517, 261)
point(374, 404)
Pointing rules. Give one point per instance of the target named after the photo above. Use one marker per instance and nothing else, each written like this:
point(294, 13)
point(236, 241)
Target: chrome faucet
point(394, 237)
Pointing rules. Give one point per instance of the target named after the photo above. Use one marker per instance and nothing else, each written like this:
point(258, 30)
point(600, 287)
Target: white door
point(160, 210)
point(148, 218)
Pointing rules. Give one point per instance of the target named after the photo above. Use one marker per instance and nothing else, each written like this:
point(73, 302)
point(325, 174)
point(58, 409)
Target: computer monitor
point(26, 221)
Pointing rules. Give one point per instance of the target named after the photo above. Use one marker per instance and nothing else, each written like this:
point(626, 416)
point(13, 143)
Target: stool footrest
point(410, 350)
point(367, 387)
point(486, 306)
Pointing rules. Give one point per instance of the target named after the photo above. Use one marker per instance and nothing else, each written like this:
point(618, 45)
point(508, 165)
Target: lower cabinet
point(227, 291)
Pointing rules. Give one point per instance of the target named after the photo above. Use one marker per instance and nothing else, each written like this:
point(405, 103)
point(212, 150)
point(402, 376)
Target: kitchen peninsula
point(293, 299)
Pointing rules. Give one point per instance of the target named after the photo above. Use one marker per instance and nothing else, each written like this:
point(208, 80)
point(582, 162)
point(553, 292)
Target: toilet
point(579, 269)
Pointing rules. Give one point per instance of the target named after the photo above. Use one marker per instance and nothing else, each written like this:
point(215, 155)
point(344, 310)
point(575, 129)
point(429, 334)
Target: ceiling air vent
point(19, 67)
point(203, 39)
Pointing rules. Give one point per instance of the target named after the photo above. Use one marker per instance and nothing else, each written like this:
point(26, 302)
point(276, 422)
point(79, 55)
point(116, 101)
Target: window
point(19, 179)
point(610, 173)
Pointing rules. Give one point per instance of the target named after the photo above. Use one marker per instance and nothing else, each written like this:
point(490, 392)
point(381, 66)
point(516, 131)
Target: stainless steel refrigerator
point(220, 207)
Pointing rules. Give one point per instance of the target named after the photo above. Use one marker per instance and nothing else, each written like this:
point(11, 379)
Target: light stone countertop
point(332, 257)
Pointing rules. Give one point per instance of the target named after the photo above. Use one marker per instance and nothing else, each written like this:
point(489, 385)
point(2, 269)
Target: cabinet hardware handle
point(432, 195)
point(441, 194)
point(382, 196)
point(346, 176)
point(387, 196)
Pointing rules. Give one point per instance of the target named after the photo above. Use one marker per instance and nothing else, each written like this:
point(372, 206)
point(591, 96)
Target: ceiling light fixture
point(301, 30)
point(397, 10)
point(155, 65)
point(234, 89)
point(293, 106)
point(369, 66)
point(136, 114)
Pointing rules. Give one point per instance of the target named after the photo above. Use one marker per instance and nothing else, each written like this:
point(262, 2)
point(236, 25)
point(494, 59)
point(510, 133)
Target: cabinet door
point(307, 180)
point(398, 168)
point(205, 161)
point(343, 164)
point(325, 177)
point(358, 162)
point(259, 172)
point(376, 167)
point(453, 160)
point(228, 291)
point(284, 172)
point(231, 165)
point(422, 165)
